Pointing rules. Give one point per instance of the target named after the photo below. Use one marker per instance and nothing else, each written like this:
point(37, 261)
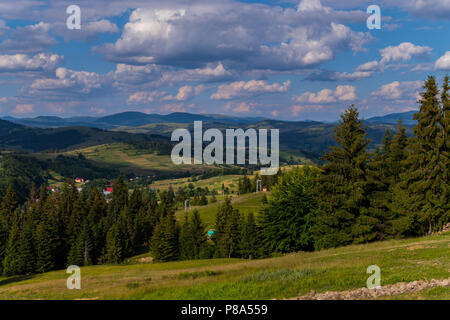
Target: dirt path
point(384, 291)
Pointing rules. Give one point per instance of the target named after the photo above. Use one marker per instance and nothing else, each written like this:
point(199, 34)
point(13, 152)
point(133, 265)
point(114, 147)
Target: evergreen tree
point(287, 218)
point(45, 247)
point(198, 234)
point(164, 243)
point(342, 213)
point(424, 182)
point(27, 246)
point(227, 236)
point(250, 245)
point(445, 151)
point(12, 264)
point(114, 245)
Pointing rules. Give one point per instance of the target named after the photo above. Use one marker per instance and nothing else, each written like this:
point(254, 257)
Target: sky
point(289, 60)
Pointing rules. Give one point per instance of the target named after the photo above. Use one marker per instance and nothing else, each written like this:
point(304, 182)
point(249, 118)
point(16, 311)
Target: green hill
point(281, 277)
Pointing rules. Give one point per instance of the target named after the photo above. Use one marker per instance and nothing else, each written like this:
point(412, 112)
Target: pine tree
point(198, 234)
point(343, 201)
point(445, 151)
point(45, 247)
point(250, 245)
point(114, 245)
point(12, 263)
point(424, 179)
point(164, 243)
point(186, 243)
point(227, 236)
point(27, 246)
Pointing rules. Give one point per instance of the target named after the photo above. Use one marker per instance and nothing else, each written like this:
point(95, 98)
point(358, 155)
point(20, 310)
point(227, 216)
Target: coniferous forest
point(401, 189)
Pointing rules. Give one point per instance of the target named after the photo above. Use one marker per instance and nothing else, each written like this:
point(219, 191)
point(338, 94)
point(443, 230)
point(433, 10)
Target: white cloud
point(241, 107)
point(251, 88)
point(68, 81)
point(210, 73)
point(399, 90)
point(186, 93)
point(23, 62)
point(143, 97)
point(31, 38)
point(403, 52)
point(23, 109)
point(443, 63)
point(342, 93)
point(175, 35)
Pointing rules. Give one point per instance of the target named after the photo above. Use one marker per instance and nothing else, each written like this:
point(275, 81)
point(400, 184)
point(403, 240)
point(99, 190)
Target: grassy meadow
point(279, 277)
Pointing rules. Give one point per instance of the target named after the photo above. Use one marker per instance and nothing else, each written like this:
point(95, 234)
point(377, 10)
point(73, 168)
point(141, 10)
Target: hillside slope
point(282, 277)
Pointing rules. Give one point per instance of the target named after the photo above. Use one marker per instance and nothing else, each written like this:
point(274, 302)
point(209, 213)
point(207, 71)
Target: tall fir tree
point(250, 242)
point(227, 236)
point(164, 243)
point(342, 216)
point(424, 180)
point(12, 263)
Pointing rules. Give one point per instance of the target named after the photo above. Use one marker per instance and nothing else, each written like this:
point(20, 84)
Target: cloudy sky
point(293, 60)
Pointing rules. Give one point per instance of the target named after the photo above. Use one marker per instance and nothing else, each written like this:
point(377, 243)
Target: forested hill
point(18, 137)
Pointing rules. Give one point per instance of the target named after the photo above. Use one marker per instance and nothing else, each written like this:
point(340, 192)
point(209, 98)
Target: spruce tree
point(164, 243)
point(227, 236)
point(12, 263)
point(250, 245)
point(27, 244)
point(114, 245)
point(342, 215)
point(424, 179)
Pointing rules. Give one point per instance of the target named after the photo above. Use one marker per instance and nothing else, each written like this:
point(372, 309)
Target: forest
point(358, 196)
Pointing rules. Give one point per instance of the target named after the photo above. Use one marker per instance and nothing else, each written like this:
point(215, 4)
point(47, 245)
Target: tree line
point(401, 189)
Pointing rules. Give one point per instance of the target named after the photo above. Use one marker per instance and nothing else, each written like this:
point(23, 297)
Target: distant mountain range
point(407, 118)
point(134, 119)
point(126, 119)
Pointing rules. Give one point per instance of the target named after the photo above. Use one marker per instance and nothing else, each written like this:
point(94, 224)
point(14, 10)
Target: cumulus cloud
point(143, 97)
point(23, 109)
point(28, 39)
point(209, 73)
point(241, 107)
point(128, 77)
point(186, 93)
point(435, 9)
point(443, 63)
point(341, 93)
point(68, 81)
point(399, 90)
point(89, 30)
point(23, 62)
point(251, 88)
point(403, 52)
point(290, 39)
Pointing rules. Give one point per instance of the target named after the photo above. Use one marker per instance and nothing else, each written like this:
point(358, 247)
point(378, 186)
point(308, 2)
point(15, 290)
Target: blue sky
point(292, 60)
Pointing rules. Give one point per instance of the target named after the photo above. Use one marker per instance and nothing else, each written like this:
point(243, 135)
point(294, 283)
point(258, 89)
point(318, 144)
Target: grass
point(281, 277)
point(245, 204)
point(127, 159)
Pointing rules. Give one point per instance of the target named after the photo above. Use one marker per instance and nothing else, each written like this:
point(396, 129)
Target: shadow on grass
point(16, 279)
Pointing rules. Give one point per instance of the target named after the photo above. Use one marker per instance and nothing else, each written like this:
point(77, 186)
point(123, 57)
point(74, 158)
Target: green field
point(281, 277)
point(245, 204)
point(126, 158)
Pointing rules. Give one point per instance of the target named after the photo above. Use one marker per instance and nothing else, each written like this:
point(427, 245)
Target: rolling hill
point(18, 137)
point(289, 276)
